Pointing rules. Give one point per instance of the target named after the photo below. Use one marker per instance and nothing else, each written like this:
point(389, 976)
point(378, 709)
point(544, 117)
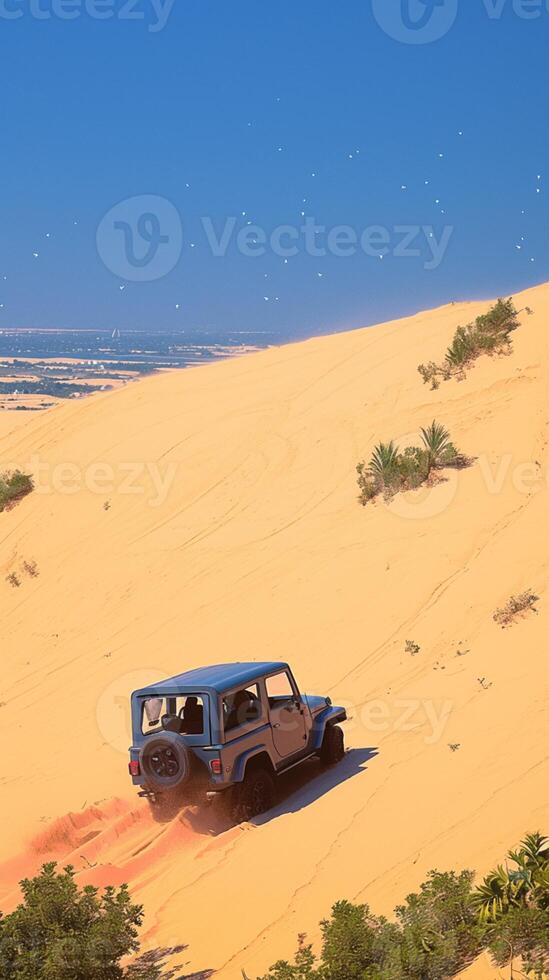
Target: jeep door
point(287, 714)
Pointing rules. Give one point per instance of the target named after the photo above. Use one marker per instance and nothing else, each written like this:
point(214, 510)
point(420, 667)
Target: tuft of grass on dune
point(13, 487)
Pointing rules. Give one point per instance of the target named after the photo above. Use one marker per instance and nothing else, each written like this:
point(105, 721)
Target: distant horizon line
point(128, 330)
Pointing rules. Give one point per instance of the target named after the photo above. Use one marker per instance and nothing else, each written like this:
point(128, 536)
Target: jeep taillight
point(134, 768)
point(216, 767)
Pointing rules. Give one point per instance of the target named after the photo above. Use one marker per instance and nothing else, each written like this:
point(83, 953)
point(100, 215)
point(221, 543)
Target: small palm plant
point(522, 887)
point(381, 474)
point(384, 461)
point(438, 445)
point(389, 471)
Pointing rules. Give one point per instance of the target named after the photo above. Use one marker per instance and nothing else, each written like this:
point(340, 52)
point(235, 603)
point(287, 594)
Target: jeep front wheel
point(333, 746)
point(255, 795)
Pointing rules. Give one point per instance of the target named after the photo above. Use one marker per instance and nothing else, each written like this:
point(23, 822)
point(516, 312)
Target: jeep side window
point(279, 688)
point(241, 707)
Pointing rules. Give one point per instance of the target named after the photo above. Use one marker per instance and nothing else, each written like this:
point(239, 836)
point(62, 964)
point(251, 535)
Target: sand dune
point(212, 515)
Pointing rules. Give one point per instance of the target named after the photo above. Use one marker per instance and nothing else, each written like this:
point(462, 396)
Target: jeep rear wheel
point(165, 763)
point(333, 746)
point(255, 795)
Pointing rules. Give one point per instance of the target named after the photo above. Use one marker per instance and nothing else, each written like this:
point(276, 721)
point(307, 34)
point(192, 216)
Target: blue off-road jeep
point(228, 729)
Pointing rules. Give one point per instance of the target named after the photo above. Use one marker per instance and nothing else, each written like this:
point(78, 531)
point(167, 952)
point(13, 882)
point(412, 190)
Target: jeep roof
point(217, 678)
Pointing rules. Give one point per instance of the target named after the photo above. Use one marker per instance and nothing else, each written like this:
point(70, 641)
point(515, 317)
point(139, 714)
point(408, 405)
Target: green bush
point(441, 929)
point(521, 935)
point(61, 933)
point(435, 935)
point(14, 486)
point(489, 334)
point(390, 471)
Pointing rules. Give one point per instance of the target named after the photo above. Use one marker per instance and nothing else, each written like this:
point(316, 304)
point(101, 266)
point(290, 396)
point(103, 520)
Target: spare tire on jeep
point(165, 762)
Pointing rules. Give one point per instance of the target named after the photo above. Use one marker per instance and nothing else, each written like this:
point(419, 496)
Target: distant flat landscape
point(40, 367)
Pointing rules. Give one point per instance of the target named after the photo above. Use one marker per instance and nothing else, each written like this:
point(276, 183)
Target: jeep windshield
point(183, 714)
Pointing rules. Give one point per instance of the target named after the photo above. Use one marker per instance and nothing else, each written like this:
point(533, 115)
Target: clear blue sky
point(244, 102)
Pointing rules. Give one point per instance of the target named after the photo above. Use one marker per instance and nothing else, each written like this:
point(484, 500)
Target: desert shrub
point(348, 941)
point(13, 486)
point(30, 568)
point(488, 334)
point(433, 373)
point(435, 935)
point(390, 471)
point(516, 606)
point(354, 945)
point(414, 467)
point(513, 904)
point(369, 487)
point(523, 935)
point(412, 647)
point(61, 933)
point(440, 929)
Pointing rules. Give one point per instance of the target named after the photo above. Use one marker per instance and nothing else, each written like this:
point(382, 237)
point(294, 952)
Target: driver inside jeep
point(245, 708)
point(192, 716)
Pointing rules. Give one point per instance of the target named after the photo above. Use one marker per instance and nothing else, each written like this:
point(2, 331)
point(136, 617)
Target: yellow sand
point(256, 548)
